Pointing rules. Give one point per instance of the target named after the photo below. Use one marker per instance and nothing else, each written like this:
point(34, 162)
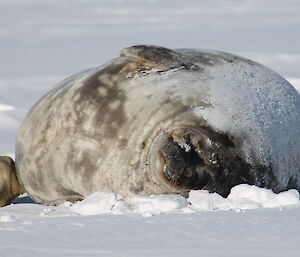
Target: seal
point(10, 187)
point(159, 121)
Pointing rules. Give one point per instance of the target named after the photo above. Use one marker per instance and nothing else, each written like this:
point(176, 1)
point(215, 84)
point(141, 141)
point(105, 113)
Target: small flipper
point(10, 187)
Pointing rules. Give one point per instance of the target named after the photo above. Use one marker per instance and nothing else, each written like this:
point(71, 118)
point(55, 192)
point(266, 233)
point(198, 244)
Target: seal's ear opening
point(10, 187)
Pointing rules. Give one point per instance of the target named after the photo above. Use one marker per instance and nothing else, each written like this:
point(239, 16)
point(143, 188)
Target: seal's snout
point(182, 162)
point(174, 159)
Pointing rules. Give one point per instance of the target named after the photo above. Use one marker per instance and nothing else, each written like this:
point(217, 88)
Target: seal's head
point(198, 157)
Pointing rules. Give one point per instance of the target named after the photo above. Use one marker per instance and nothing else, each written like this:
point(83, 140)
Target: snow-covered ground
point(251, 222)
point(43, 41)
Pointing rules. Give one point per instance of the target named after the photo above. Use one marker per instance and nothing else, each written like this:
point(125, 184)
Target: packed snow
point(242, 197)
point(43, 42)
point(250, 221)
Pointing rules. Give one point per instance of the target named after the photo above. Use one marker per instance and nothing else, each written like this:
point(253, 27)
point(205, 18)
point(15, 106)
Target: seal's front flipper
point(157, 56)
point(10, 187)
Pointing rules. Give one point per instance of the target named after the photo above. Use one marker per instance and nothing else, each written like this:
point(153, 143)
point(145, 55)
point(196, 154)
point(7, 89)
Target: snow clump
point(242, 197)
point(7, 218)
point(104, 202)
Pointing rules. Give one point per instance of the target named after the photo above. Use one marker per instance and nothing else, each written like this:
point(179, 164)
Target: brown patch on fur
point(102, 92)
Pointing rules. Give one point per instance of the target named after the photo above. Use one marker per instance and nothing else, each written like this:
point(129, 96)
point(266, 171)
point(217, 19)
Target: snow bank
point(241, 197)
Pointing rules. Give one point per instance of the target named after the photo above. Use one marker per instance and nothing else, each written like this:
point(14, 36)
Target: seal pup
point(10, 187)
point(158, 121)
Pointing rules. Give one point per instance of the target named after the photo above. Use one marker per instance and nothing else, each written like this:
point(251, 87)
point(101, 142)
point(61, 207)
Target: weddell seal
point(158, 121)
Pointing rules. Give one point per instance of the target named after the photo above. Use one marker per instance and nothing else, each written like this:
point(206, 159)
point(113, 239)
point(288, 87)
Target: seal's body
point(158, 121)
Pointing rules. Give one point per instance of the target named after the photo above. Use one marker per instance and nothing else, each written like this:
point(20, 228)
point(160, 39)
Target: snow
point(7, 218)
point(185, 146)
point(102, 202)
point(242, 197)
point(250, 221)
point(45, 41)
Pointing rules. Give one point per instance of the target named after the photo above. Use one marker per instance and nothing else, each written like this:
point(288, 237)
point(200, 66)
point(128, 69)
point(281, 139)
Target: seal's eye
point(177, 157)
